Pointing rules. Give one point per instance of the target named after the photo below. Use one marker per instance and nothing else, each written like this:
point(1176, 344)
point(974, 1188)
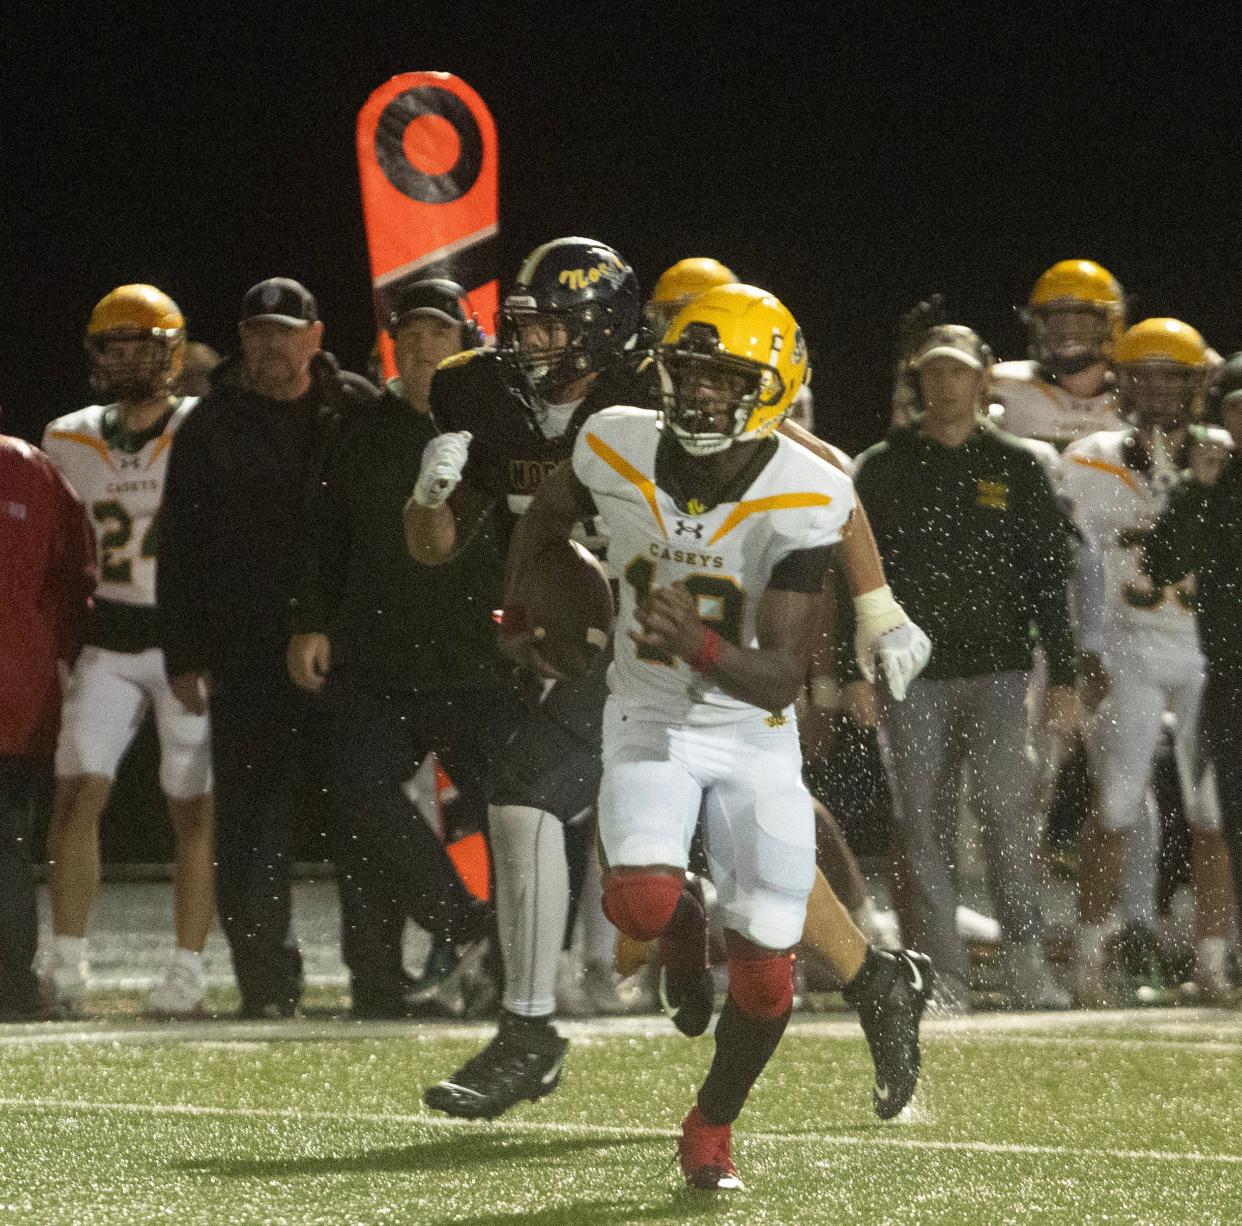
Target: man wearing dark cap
point(408, 661)
point(977, 550)
point(230, 562)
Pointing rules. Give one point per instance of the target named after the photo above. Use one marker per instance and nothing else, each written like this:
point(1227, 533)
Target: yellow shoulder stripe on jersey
point(777, 502)
point(87, 440)
point(162, 444)
point(620, 465)
point(1104, 466)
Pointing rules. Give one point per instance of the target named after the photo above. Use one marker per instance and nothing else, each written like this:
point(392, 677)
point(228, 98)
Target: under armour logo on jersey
point(686, 527)
point(126, 461)
point(15, 510)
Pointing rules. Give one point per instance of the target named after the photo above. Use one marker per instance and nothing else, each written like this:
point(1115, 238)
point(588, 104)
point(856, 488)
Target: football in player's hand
point(568, 602)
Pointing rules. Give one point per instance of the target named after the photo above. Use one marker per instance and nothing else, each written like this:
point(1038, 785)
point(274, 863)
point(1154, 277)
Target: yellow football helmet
point(135, 313)
point(1162, 367)
point(678, 284)
point(1074, 316)
point(730, 365)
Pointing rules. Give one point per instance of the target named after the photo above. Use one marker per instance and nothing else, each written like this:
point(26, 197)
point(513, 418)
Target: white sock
point(1139, 846)
point(71, 950)
point(190, 959)
point(599, 937)
point(532, 904)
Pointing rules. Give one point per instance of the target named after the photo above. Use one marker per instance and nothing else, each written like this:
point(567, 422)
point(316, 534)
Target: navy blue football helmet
point(574, 308)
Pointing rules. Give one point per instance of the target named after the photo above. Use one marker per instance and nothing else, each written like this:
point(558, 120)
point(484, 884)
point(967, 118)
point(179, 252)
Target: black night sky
point(849, 158)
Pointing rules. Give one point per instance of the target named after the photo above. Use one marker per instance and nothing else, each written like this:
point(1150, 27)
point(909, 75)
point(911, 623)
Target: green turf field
point(1114, 1118)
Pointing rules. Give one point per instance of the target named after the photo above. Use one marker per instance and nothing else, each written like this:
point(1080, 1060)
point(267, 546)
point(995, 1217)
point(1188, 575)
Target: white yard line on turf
point(1189, 1028)
point(536, 1127)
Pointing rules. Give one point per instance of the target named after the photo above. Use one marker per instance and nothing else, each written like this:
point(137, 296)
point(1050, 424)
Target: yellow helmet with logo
point(730, 364)
point(1147, 355)
point(135, 313)
point(1060, 339)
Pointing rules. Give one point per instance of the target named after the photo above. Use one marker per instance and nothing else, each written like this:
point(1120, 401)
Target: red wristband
point(706, 659)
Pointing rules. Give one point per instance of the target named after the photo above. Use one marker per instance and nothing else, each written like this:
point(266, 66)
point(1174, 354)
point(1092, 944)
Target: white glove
point(884, 633)
point(444, 458)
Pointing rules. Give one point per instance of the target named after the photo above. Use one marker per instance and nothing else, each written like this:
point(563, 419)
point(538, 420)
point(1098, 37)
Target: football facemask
point(730, 365)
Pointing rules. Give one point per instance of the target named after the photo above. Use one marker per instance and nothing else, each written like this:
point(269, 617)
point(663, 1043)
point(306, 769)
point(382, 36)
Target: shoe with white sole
point(181, 994)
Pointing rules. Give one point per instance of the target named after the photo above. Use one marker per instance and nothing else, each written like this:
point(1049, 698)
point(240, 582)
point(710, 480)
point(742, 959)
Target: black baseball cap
point(436, 296)
point(282, 301)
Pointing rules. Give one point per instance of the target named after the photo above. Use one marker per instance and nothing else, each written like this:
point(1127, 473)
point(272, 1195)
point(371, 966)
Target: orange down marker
point(428, 169)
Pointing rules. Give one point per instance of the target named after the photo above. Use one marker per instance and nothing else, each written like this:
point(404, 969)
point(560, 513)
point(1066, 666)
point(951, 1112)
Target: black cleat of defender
point(686, 991)
point(522, 1063)
point(889, 1009)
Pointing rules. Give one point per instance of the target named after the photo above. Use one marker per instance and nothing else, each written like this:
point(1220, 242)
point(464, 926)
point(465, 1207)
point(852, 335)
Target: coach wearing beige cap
point(977, 551)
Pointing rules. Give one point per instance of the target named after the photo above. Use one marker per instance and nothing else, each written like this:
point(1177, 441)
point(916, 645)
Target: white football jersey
point(122, 490)
point(1034, 408)
point(1116, 507)
point(725, 555)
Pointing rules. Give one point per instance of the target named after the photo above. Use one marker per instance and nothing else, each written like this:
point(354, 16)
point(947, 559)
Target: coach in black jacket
point(231, 533)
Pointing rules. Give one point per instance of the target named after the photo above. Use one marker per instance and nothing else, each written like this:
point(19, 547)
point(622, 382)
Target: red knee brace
point(641, 906)
point(762, 987)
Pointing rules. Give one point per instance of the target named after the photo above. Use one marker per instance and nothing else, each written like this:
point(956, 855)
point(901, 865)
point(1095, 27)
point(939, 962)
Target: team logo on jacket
point(993, 495)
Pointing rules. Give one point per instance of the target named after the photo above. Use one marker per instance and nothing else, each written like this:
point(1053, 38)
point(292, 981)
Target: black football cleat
point(686, 991)
point(522, 1063)
point(890, 995)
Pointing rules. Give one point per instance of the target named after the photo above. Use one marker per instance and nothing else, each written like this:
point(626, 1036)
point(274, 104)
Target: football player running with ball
point(718, 528)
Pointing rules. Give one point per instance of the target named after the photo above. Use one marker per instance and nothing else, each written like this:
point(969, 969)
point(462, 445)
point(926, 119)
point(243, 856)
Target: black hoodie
point(231, 535)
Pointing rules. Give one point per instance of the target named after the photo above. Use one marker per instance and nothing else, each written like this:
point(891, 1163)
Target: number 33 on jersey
point(726, 555)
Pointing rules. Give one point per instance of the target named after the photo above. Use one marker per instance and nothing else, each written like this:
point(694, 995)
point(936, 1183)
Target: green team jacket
point(1201, 532)
point(394, 622)
point(976, 549)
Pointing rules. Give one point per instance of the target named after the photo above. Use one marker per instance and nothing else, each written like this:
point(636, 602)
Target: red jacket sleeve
point(72, 570)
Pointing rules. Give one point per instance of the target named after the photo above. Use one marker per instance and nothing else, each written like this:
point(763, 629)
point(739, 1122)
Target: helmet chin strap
point(1072, 366)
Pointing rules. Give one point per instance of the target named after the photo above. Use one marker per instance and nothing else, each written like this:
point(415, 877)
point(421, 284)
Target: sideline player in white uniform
point(115, 456)
point(1141, 659)
point(719, 530)
point(1065, 390)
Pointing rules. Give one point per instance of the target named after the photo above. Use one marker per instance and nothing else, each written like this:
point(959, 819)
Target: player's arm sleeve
point(1049, 564)
point(800, 571)
point(1182, 538)
point(184, 570)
